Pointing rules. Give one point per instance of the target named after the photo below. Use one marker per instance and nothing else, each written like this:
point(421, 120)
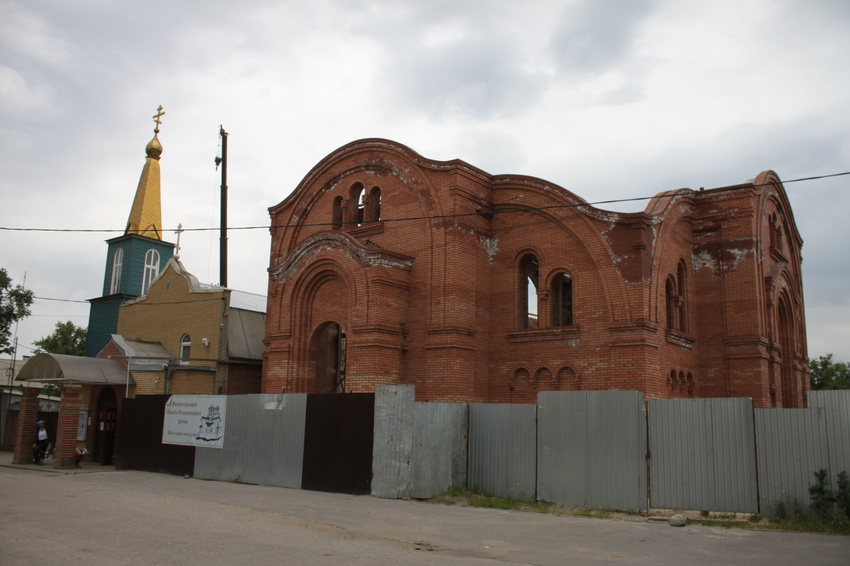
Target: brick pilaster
point(27, 431)
point(66, 432)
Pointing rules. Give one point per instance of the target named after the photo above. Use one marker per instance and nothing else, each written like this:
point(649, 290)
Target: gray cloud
point(594, 95)
point(594, 36)
point(473, 78)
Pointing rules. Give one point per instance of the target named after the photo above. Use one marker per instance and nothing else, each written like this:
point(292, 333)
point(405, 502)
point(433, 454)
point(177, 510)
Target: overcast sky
point(611, 99)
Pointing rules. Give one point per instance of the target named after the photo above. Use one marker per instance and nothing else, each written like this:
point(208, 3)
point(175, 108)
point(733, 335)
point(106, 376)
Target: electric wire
point(666, 194)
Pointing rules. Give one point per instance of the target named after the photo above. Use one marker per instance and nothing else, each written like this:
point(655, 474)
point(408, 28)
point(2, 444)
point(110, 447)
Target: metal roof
point(245, 334)
point(247, 301)
point(79, 369)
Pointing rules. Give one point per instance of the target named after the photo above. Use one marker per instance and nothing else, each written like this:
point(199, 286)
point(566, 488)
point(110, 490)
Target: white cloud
point(608, 99)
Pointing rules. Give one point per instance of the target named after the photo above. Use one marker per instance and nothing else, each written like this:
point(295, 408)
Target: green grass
point(791, 516)
point(472, 499)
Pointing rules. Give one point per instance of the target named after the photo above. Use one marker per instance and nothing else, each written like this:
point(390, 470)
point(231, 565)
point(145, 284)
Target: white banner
point(195, 420)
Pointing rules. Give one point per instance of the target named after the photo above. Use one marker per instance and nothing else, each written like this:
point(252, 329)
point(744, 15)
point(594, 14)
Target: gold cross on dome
point(157, 116)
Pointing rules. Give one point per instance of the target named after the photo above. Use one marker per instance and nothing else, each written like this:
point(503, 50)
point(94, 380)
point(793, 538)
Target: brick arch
point(519, 376)
point(308, 309)
point(785, 337)
point(543, 378)
point(567, 379)
point(373, 163)
point(343, 168)
point(578, 224)
point(668, 256)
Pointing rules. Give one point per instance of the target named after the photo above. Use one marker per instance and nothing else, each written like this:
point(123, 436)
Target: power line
point(61, 300)
point(666, 194)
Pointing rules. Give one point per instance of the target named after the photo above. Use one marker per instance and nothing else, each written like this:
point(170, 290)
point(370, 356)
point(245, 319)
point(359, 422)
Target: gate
point(139, 445)
point(338, 443)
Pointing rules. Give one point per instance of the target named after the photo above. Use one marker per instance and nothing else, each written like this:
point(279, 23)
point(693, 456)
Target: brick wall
point(26, 433)
point(66, 434)
point(428, 297)
point(244, 378)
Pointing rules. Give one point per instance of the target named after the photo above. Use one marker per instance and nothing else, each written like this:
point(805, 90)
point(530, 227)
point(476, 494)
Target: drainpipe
point(170, 368)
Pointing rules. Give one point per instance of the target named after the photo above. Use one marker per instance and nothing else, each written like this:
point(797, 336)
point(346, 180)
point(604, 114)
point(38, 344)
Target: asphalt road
point(142, 518)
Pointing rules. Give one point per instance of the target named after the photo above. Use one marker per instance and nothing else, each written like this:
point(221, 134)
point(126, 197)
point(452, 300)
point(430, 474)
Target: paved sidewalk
point(6, 458)
point(52, 517)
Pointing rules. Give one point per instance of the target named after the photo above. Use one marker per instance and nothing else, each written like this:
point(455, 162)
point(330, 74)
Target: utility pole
point(222, 263)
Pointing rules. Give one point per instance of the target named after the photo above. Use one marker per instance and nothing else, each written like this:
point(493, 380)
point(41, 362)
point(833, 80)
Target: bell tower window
point(151, 269)
point(117, 263)
point(373, 205)
point(356, 204)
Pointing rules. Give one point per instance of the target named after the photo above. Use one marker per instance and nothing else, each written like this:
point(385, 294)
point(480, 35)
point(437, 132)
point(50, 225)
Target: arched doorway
point(328, 353)
point(786, 345)
point(105, 425)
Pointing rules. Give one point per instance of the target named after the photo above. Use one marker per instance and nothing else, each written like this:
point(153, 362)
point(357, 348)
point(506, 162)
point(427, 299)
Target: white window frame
point(117, 264)
point(185, 349)
point(151, 270)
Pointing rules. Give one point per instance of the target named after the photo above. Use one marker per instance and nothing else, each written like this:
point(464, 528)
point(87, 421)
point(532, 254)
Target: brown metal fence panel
point(338, 443)
point(139, 444)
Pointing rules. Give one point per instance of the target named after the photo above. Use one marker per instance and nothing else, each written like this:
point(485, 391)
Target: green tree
point(14, 305)
point(67, 338)
point(827, 374)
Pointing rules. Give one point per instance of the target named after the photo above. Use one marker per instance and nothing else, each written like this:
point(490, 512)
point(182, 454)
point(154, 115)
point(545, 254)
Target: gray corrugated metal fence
point(439, 458)
point(502, 450)
point(702, 455)
point(263, 442)
point(836, 404)
point(792, 445)
point(591, 449)
point(392, 442)
point(573, 448)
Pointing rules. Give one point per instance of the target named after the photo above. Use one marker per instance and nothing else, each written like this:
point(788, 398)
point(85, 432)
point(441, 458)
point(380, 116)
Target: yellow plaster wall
point(147, 384)
point(169, 311)
point(191, 382)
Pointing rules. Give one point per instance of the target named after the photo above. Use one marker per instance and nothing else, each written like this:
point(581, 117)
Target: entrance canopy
point(73, 369)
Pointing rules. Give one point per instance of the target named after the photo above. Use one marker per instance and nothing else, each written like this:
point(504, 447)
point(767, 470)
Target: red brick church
point(390, 268)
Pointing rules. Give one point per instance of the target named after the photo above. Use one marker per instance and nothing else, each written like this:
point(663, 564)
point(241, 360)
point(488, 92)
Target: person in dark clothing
point(39, 449)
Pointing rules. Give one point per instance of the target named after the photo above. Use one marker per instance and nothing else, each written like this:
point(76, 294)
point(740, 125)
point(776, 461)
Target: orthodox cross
point(178, 232)
point(156, 118)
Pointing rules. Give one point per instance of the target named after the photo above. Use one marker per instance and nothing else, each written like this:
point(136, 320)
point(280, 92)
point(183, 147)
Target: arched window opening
point(543, 379)
point(329, 347)
point(775, 233)
point(337, 213)
point(567, 379)
point(357, 203)
point(682, 382)
point(680, 276)
point(671, 381)
point(562, 300)
point(691, 385)
point(529, 275)
point(520, 375)
point(185, 349)
point(151, 269)
point(373, 205)
point(670, 295)
point(117, 265)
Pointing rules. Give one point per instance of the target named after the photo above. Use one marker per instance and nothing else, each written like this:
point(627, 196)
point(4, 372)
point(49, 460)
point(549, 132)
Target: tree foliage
point(15, 304)
point(66, 338)
point(827, 374)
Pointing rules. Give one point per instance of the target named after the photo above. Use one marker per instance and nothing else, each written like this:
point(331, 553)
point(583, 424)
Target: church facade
point(390, 268)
